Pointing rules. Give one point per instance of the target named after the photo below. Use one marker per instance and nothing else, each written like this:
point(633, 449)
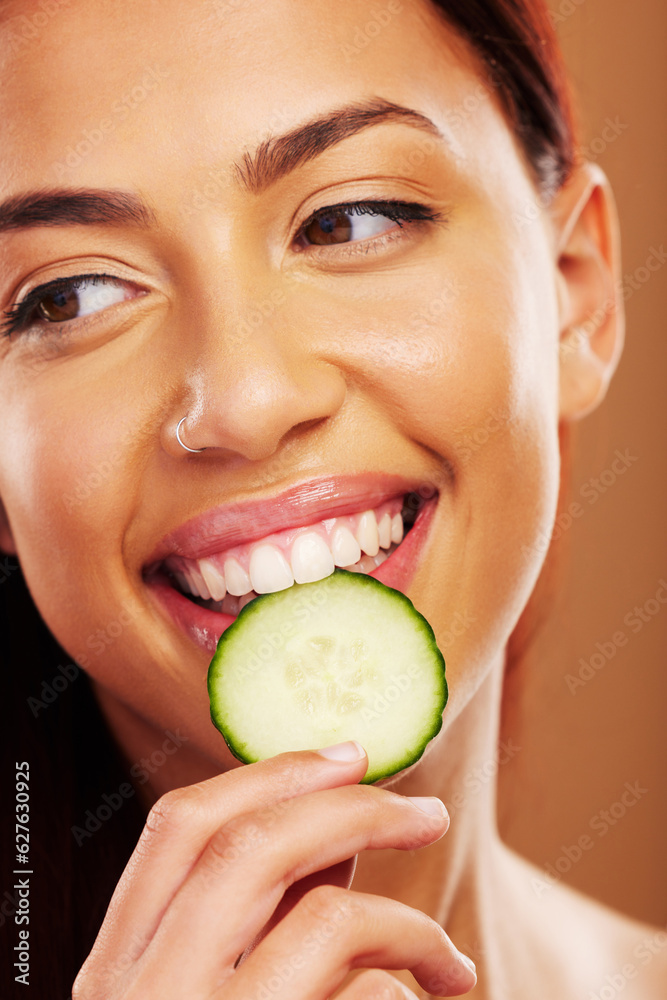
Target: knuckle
point(332, 906)
point(173, 811)
point(288, 774)
point(376, 984)
point(238, 839)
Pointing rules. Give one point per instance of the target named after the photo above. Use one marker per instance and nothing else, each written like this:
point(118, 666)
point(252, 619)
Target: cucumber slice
point(343, 658)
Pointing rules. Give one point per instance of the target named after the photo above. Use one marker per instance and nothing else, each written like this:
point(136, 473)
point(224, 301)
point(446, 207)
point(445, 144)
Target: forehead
point(215, 76)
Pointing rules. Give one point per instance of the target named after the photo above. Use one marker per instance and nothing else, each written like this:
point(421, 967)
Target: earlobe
point(592, 322)
point(6, 538)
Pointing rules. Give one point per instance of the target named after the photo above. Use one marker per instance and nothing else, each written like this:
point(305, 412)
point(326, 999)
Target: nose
point(253, 387)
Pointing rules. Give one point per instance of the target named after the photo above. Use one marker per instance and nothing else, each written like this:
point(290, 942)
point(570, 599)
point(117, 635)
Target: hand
point(211, 879)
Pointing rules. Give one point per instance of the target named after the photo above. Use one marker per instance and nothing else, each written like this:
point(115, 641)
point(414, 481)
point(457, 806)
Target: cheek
point(72, 470)
point(468, 373)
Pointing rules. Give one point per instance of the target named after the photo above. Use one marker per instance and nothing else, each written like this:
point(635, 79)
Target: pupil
point(59, 306)
point(330, 229)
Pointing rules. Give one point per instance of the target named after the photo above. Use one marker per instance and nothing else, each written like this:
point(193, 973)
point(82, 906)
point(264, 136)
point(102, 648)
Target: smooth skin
point(383, 356)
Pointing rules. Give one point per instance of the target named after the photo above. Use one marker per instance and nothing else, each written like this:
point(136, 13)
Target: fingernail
point(349, 751)
point(428, 804)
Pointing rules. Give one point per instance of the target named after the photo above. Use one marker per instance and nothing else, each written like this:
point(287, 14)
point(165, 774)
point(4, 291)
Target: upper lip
point(305, 503)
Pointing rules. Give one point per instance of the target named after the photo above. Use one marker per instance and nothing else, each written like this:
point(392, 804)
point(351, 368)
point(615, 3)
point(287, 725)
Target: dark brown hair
point(521, 57)
point(72, 757)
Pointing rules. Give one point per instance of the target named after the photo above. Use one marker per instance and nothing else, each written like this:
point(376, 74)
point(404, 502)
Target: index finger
point(181, 823)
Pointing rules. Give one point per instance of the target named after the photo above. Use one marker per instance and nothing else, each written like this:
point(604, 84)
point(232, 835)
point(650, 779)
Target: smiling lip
point(204, 627)
point(249, 520)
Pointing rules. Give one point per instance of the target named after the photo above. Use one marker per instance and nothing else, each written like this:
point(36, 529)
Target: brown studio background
point(580, 747)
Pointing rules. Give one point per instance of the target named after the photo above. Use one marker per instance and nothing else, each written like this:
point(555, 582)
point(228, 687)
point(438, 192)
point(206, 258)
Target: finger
point(375, 984)
point(182, 822)
point(252, 861)
point(332, 931)
point(340, 874)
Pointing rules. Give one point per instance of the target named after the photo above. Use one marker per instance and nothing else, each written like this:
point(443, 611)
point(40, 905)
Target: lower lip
point(204, 627)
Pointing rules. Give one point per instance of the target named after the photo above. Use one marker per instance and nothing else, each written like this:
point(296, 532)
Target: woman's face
point(335, 371)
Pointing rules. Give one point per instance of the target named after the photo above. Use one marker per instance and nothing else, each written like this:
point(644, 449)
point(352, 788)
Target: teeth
point(236, 578)
point(367, 533)
point(384, 530)
point(269, 570)
point(190, 584)
point(344, 547)
point(213, 579)
point(199, 583)
point(183, 581)
point(311, 558)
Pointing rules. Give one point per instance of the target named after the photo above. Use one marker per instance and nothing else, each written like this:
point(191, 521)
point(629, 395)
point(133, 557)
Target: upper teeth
point(311, 558)
point(301, 555)
point(269, 570)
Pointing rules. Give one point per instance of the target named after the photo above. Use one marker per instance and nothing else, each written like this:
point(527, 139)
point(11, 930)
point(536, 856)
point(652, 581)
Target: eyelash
point(18, 317)
point(397, 211)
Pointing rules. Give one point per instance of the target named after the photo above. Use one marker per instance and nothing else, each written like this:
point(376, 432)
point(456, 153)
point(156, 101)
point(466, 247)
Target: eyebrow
point(273, 159)
point(277, 156)
point(67, 207)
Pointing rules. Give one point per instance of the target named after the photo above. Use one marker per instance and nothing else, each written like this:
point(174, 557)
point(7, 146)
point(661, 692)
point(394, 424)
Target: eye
point(357, 221)
point(80, 300)
point(66, 299)
point(342, 227)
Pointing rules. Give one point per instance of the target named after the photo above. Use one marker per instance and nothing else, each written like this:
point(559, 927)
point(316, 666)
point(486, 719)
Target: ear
point(6, 538)
point(592, 318)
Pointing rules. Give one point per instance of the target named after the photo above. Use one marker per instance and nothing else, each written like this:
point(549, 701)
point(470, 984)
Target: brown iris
point(59, 306)
point(327, 229)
